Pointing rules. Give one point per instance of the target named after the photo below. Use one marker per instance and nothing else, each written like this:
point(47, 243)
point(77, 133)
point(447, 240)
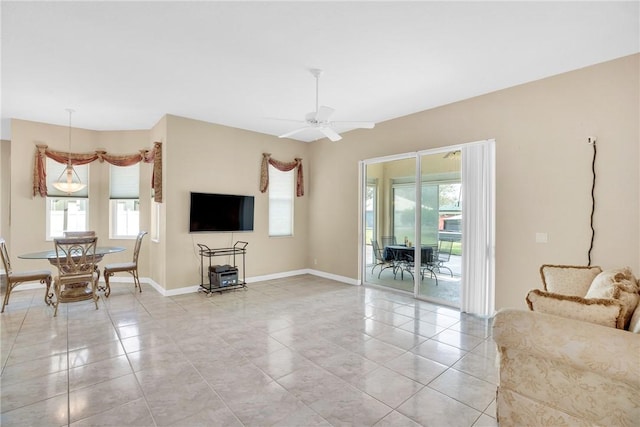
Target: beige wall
point(5, 180)
point(156, 256)
point(543, 180)
point(206, 157)
point(543, 173)
point(28, 221)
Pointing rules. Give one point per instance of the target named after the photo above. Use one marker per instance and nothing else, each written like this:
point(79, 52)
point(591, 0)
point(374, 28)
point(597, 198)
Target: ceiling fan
point(319, 119)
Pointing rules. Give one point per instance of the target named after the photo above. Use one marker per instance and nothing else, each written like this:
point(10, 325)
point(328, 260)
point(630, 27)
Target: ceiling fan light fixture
point(69, 180)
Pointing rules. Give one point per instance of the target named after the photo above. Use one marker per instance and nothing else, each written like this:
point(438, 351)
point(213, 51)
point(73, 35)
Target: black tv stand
point(222, 279)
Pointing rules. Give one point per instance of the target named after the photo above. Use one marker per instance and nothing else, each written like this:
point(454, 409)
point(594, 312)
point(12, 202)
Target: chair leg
point(56, 303)
point(383, 269)
point(446, 268)
point(48, 295)
point(433, 274)
point(6, 296)
point(136, 280)
point(96, 297)
point(107, 287)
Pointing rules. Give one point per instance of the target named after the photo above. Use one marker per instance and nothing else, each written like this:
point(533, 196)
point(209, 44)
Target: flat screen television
point(220, 212)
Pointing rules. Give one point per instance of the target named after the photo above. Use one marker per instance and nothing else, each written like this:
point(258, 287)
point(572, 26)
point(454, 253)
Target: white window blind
point(55, 169)
point(125, 182)
point(280, 202)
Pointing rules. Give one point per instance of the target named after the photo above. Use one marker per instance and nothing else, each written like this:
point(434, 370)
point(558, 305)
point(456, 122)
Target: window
point(370, 206)
point(66, 212)
point(404, 212)
point(280, 202)
point(124, 193)
point(155, 221)
point(439, 200)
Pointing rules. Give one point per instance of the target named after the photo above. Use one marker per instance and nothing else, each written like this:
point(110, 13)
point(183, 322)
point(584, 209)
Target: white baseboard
point(194, 288)
point(335, 277)
point(255, 279)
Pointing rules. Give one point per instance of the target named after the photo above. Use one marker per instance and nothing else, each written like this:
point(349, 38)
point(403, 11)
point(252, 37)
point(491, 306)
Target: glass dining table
point(51, 255)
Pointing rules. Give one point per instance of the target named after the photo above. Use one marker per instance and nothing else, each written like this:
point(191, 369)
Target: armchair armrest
point(615, 353)
point(566, 370)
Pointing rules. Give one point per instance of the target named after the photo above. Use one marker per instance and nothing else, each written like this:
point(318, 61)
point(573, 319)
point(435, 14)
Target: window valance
point(284, 167)
point(145, 155)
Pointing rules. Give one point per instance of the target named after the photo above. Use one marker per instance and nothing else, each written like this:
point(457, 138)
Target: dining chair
point(125, 267)
point(16, 278)
point(79, 233)
point(380, 259)
point(444, 255)
point(77, 278)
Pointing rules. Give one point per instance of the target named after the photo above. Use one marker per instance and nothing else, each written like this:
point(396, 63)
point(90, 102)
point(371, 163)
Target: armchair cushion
point(619, 284)
point(602, 311)
point(568, 280)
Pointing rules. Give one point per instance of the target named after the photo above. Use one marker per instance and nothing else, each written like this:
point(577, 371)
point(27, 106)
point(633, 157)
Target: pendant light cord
point(70, 111)
point(593, 198)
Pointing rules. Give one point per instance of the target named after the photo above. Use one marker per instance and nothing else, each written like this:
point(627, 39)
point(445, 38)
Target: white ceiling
point(123, 65)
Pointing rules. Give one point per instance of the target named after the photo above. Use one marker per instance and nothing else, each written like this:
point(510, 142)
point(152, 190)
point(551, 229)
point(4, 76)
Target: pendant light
point(69, 181)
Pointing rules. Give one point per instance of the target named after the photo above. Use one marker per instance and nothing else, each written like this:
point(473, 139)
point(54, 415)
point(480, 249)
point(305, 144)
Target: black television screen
point(220, 212)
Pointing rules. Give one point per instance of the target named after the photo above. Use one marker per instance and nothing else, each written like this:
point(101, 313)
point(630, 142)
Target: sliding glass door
point(405, 210)
point(440, 272)
point(389, 220)
point(429, 225)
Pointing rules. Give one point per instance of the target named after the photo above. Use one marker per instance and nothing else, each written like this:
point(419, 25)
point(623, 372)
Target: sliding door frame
point(490, 285)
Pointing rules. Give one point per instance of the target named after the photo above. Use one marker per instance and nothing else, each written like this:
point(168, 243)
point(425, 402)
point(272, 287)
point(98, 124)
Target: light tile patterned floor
point(300, 351)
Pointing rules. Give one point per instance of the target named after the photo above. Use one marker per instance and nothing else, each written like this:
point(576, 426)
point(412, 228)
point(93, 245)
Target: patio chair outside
point(380, 261)
point(444, 255)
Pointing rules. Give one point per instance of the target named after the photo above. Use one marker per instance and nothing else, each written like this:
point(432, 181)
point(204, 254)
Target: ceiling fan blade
point(359, 125)
point(293, 132)
point(324, 113)
point(330, 133)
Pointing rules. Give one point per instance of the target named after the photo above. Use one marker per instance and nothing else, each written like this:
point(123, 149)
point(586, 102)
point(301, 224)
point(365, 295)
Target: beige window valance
point(281, 166)
point(147, 156)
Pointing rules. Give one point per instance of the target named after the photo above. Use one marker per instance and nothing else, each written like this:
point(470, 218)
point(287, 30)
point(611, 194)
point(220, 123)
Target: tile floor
point(447, 291)
point(300, 351)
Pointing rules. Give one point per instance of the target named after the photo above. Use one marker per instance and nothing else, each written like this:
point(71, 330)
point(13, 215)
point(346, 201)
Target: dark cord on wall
point(593, 197)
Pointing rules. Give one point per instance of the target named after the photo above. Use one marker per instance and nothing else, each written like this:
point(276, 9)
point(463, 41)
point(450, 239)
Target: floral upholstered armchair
point(574, 358)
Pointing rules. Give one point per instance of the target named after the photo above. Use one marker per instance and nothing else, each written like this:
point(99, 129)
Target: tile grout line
point(68, 370)
point(117, 331)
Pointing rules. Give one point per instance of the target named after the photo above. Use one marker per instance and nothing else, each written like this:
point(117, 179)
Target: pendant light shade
point(69, 181)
